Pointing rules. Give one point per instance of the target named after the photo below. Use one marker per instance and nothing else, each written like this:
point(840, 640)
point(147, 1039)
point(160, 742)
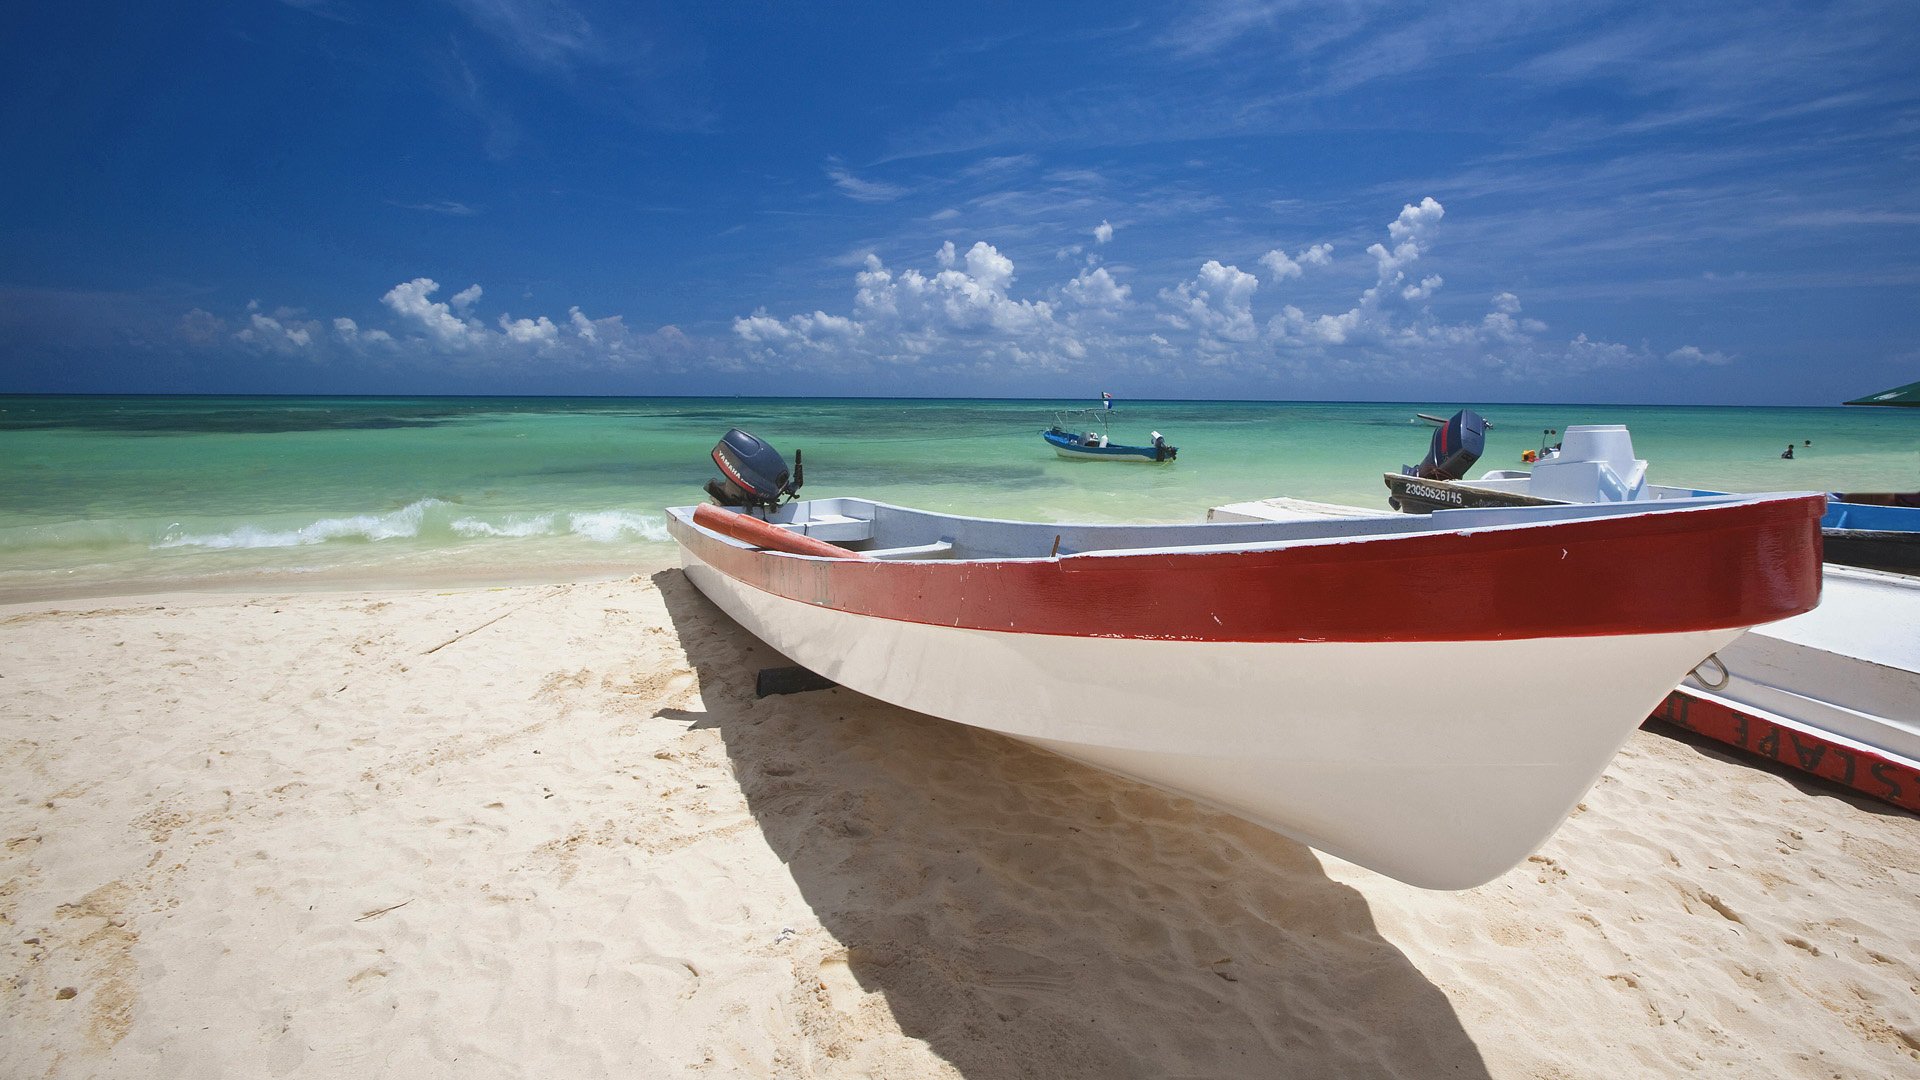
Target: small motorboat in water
point(1426, 696)
point(1088, 444)
point(1594, 463)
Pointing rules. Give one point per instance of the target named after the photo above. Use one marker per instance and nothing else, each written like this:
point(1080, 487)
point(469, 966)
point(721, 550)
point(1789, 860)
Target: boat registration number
point(1422, 491)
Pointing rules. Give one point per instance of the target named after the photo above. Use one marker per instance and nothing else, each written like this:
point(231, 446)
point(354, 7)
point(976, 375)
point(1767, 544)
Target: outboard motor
point(1456, 445)
point(752, 472)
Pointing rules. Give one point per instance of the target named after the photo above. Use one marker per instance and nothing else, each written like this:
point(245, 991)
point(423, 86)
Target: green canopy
point(1899, 395)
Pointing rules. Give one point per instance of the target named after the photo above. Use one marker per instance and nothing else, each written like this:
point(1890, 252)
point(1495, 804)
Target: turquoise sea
point(102, 494)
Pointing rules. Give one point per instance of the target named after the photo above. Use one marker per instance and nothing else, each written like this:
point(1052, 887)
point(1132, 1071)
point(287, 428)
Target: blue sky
point(1479, 201)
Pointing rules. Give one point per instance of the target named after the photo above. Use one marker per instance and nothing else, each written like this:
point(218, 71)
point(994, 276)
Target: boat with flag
point(1426, 696)
point(1083, 435)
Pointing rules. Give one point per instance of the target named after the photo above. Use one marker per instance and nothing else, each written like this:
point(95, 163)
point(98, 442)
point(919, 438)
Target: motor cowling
point(1456, 445)
point(752, 472)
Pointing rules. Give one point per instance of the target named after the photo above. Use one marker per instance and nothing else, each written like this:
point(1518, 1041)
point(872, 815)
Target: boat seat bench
point(915, 551)
point(833, 528)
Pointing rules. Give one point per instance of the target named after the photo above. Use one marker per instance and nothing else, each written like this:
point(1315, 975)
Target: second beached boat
point(1426, 696)
point(1595, 464)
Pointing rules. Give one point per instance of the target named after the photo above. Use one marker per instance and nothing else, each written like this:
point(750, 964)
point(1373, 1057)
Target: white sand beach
point(550, 831)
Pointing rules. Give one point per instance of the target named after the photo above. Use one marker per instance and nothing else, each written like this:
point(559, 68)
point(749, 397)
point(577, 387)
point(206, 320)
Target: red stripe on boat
point(1655, 572)
point(1863, 770)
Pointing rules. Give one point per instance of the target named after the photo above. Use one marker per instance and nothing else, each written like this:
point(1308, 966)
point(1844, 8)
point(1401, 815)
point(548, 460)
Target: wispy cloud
point(616, 62)
point(441, 206)
point(544, 33)
point(853, 187)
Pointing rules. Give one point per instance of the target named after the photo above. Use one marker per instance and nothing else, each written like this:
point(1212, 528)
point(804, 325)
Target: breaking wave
point(605, 526)
point(428, 519)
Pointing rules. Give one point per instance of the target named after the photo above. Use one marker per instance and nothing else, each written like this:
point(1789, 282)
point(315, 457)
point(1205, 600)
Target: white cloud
point(350, 332)
point(962, 312)
point(1095, 288)
point(1584, 354)
point(1503, 322)
point(409, 300)
point(271, 333)
point(1218, 303)
point(855, 188)
point(535, 331)
point(441, 206)
point(1284, 267)
point(1694, 355)
point(200, 327)
point(431, 331)
point(1422, 290)
point(1102, 233)
point(1372, 318)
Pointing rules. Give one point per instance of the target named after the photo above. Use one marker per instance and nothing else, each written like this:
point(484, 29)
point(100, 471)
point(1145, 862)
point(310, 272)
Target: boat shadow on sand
point(1026, 915)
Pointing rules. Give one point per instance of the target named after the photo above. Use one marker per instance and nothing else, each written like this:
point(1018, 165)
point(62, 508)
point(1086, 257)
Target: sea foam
point(427, 519)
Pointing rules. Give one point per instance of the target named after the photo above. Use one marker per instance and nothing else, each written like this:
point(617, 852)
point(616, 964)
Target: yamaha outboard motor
point(752, 472)
point(1456, 445)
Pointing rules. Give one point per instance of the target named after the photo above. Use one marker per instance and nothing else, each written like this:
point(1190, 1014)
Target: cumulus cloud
point(411, 300)
point(965, 312)
point(1218, 303)
point(962, 311)
point(1283, 267)
point(1691, 355)
point(451, 332)
point(968, 311)
point(1095, 288)
point(350, 332)
point(1372, 319)
point(1424, 289)
point(278, 332)
point(1391, 332)
point(200, 327)
point(535, 331)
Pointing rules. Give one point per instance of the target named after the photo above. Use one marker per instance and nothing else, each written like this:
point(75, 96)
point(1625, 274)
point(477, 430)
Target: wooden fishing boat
point(1426, 696)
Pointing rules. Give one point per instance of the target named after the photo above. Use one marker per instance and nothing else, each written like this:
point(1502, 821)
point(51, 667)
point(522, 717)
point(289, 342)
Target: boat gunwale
point(1633, 571)
point(1582, 512)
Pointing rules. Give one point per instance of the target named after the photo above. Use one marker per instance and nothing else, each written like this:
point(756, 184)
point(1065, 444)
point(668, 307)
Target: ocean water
point(99, 494)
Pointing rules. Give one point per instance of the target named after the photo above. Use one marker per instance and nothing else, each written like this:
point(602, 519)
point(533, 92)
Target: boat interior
point(883, 531)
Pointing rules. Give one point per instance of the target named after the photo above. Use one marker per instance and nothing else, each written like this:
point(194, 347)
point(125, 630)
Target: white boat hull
point(1849, 669)
point(1439, 763)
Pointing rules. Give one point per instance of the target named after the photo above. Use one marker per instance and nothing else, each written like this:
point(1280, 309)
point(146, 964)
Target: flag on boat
point(1106, 399)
